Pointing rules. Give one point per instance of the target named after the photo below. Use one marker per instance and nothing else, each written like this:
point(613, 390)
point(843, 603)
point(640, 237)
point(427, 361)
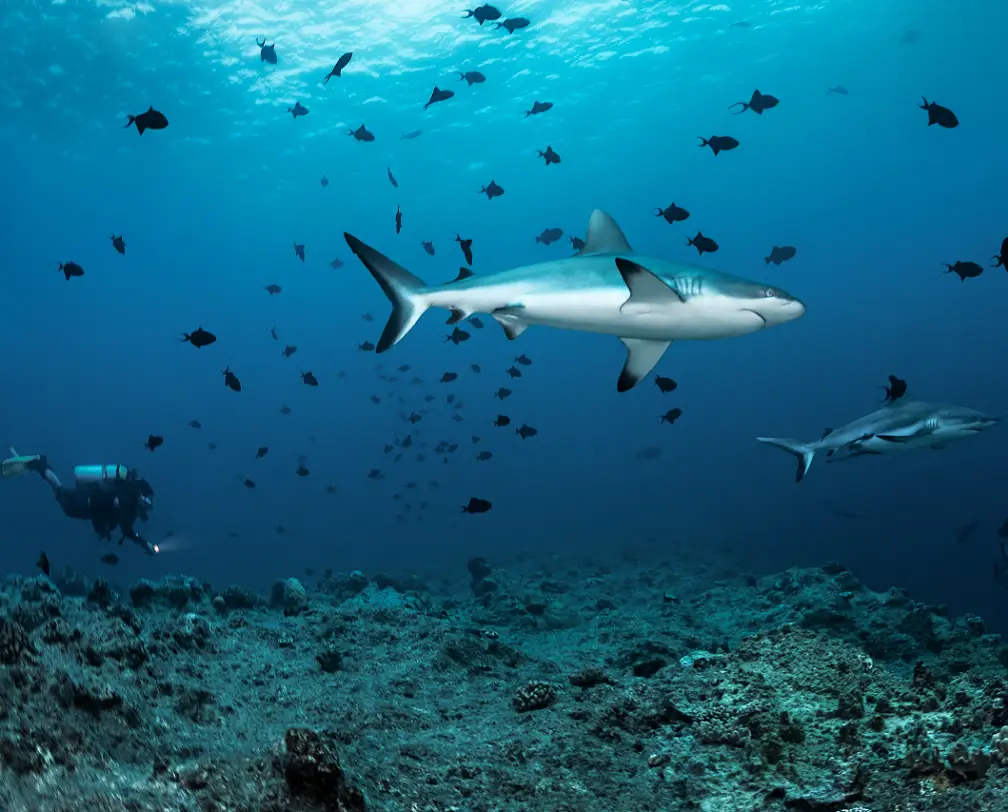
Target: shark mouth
point(761, 317)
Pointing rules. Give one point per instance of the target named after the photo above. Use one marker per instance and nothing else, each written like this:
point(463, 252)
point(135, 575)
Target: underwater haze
point(875, 201)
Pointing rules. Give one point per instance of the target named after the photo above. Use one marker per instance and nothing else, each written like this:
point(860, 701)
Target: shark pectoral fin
point(906, 438)
point(647, 291)
point(642, 355)
point(604, 236)
point(510, 319)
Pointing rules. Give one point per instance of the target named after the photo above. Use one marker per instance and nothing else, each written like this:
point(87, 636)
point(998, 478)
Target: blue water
point(873, 199)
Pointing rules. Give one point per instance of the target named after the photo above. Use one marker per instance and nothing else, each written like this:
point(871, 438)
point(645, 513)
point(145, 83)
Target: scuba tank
point(99, 474)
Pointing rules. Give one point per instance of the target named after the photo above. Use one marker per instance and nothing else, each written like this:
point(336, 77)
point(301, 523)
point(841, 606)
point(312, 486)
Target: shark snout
point(778, 309)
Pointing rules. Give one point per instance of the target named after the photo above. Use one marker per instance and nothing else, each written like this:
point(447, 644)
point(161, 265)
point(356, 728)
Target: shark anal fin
point(604, 236)
point(457, 315)
point(647, 291)
point(510, 319)
point(642, 356)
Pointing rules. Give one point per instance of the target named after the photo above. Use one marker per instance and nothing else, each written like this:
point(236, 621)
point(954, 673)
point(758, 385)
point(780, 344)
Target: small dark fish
point(514, 24)
point(43, 563)
point(1002, 260)
point(273, 290)
point(298, 110)
point(939, 115)
point(199, 337)
point(492, 190)
point(514, 372)
point(403, 368)
point(362, 133)
point(965, 270)
point(502, 420)
point(526, 431)
point(475, 440)
point(151, 120)
point(337, 71)
point(262, 451)
point(966, 532)
point(267, 53)
point(438, 95)
point(840, 90)
point(477, 505)
point(302, 470)
point(539, 107)
point(212, 446)
point(73, 269)
point(475, 322)
point(375, 400)
point(466, 246)
point(473, 77)
point(577, 243)
point(524, 360)
point(652, 452)
point(549, 156)
point(398, 220)
point(118, 244)
point(457, 336)
point(428, 247)
point(273, 333)
point(475, 368)
point(415, 418)
point(309, 379)
point(285, 410)
point(502, 394)
point(374, 473)
point(411, 135)
point(780, 253)
point(391, 177)
point(909, 37)
point(896, 389)
point(231, 380)
point(703, 245)
point(248, 483)
point(407, 441)
point(549, 236)
point(299, 251)
point(741, 24)
point(671, 416)
point(110, 558)
point(336, 264)
point(718, 143)
point(665, 385)
point(153, 442)
point(324, 181)
point(195, 424)
point(331, 489)
point(289, 350)
point(280, 529)
point(448, 377)
point(672, 213)
point(483, 456)
point(482, 13)
point(367, 346)
point(758, 102)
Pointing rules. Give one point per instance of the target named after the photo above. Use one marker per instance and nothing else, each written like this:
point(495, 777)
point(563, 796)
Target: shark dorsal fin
point(604, 236)
point(464, 273)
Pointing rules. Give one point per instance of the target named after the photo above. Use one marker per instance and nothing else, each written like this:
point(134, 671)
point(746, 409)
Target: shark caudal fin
point(801, 450)
point(402, 288)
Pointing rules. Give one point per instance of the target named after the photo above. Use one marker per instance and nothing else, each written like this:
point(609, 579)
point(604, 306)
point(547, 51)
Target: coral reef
point(560, 686)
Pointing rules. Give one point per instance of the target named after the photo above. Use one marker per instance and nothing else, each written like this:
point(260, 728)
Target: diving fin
point(16, 466)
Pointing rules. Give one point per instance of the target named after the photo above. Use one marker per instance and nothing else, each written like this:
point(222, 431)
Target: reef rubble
point(564, 685)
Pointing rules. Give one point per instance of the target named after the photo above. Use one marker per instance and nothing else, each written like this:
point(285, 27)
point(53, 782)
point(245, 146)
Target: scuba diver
point(109, 495)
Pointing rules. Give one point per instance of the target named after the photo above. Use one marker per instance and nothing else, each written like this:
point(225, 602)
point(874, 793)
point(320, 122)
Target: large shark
point(898, 426)
point(605, 288)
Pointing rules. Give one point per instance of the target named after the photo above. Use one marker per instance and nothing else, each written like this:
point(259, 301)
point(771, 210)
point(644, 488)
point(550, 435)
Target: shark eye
point(769, 293)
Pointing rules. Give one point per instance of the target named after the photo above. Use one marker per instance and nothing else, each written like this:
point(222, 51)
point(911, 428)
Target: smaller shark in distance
point(606, 288)
point(898, 426)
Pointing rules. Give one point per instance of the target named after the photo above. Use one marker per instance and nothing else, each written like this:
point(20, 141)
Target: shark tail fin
point(804, 452)
point(402, 288)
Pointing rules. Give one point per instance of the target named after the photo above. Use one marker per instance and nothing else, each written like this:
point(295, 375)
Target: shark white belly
point(646, 302)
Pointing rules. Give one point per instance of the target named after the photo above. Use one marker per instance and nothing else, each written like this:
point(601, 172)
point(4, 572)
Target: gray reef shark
point(899, 426)
point(605, 288)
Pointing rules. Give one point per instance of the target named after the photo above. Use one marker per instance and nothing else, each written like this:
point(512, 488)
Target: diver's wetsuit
point(108, 504)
